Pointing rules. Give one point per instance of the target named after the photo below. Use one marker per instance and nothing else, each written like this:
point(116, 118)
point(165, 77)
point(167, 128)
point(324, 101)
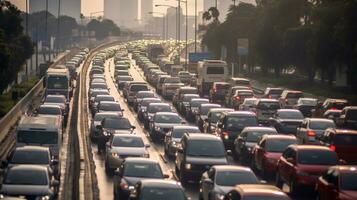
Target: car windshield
point(179, 132)
point(145, 95)
point(37, 137)
point(167, 119)
point(198, 103)
point(349, 181)
point(290, 115)
point(116, 123)
point(205, 109)
point(278, 146)
point(205, 148)
point(159, 108)
point(239, 122)
point(268, 105)
point(162, 194)
point(276, 91)
point(108, 98)
point(321, 125)
point(294, 95)
point(26, 177)
point(110, 107)
point(232, 178)
point(255, 136)
point(48, 111)
point(143, 170)
point(122, 141)
point(139, 87)
point(317, 157)
point(50, 99)
point(345, 140)
point(215, 117)
point(245, 93)
point(57, 82)
point(308, 102)
point(30, 157)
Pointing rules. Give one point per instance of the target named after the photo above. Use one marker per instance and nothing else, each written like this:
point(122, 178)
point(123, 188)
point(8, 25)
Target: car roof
point(184, 127)
point(49, 106)
point(159, 104)
point(32, 148)
point(288, 110)
point(346, 131)
point(203, 136)
point(231, 168)
point(200, 99)
point(319, 120)
point(29, 167)
point(140, 160)
point(279, 136)
point(167, 113)
point(293, 91)
point(240, 113)
point(126, 135)
point(239, 79)
point(268, 100)
point(346, 168)
point(160, 183)
point(221, 83)
point(109, 102)
point(193, 95)
point(244, 90)
point(187, 87)
point(311, 147)
point(210, 105)
point(259, 189)
point(258, 128)
point(221, 110)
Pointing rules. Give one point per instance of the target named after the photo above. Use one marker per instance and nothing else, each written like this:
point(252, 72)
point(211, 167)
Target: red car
point(343, 141)
point(268, 151)
point(339, 183)
point(301, 165)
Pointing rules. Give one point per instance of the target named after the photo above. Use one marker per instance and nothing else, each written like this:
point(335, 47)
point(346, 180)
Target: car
point(343, 142)
point(128, 84)
point(218, 91)
point(213, 116)
point(94, 93)
point(44, 110)
point(142, 106)
point(245, 142)
point(312, 128)
point(179, 94)
point(131, 171)
point(334, 104)
point(161, 123)
point(109, 106)
point(332, 114)
point(158, 189)
point(198, 152)
point(98, 86)
point(153, 108)
point(97, 120)
point(121, 73)
point(240, 82)
point(60, 100)
point(286, 120)
point(202, 113)
point(248, 104)
point(231, 91)
point(33, 155)
point(265, 108)
point(220, 179)
point(268, 151)
point(306, 106)
point(97, 80)
point(348, 118)
point(170, 85)
point(256, 191)
point(289, 98)
point(160, 82)
point(31, 181)
point(100, 98)
point(173, 138)
point(121, 80)
point(301, 165)
point(272, 93)
point(133, 90)
point(140, 96)
point(185, 102)
point(121, 146)
point(239, 96)
point(115, 125)
point(339, 182)
point(230, 125)
point(192, 109)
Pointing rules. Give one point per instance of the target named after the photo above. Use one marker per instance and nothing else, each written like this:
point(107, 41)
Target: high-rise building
point(146, 7)
point(70, 8)
point(123, 12)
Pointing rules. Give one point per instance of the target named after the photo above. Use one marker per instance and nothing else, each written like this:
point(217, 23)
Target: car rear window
point(245, 93)
point(279, 145)
point(317, 157)
point(239, 122)
point(275, 91)
point(215, 70)
point(345, 140)
point(268, 105)
point(294, 95)
point(26, 177)
point(242, 82)
point(321, 125)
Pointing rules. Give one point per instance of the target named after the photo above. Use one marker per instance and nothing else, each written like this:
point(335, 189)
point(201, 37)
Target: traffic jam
point(162, 131)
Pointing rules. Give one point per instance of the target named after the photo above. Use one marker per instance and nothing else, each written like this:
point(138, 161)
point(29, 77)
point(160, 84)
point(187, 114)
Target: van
point(40, 131)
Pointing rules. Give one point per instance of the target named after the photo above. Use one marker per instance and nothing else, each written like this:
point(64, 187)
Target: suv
point(170, 86)
point(218, 91)
point(348, 118)
point(289, 98)
point(231, 124)
point(231, 91)
point(343, 141)
point(265, 109)
point(272, 93)
point(198, 152)
point(134, 89)
point(312, 128)
point(160, 82)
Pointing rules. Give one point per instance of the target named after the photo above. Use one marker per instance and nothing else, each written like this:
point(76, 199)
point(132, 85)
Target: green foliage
point(103, 28)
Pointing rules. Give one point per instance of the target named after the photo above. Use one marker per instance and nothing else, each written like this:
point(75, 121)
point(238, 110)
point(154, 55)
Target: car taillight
point(333, 109)
point(225, 135)
point(311, 133)
point(332, 147)
point(237, 97)
point(269, 96)
point(124, 186)
point(286, 101)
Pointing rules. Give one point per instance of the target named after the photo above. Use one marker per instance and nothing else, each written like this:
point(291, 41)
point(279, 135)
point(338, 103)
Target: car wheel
point(278, 181)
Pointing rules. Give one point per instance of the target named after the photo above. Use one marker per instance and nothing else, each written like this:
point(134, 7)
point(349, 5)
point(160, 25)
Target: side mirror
point(54, 162)
point(122, 110)
point(166, 176)
point(55, 183)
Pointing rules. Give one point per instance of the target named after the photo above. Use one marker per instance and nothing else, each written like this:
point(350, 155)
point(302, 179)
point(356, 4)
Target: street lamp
point(163, 22)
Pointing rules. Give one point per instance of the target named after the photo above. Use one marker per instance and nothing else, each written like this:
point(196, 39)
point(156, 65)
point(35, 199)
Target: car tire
point(278, 182)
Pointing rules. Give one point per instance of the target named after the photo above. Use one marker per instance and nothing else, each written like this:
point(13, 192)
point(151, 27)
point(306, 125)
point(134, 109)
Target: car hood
point(129, 150)
point(207, 160)
point(35, 190)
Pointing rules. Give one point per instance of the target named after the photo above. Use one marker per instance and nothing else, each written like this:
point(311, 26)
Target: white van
point(210, 71)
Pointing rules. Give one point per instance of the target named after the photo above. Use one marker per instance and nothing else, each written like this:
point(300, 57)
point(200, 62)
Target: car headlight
point(115, 154)
point(173, 143)
point(150, 117)
point(188, 166)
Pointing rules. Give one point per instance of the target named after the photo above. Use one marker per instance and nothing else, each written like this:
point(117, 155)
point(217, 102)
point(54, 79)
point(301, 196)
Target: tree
point(103, 28)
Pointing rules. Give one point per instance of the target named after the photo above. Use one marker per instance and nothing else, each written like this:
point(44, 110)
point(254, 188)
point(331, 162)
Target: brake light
point(225, 135)
point(311, 133)
point(332, 147)
point(269, 96)
point(286, 101)
point(237, 97)
point(124, 186)
point(333, 109)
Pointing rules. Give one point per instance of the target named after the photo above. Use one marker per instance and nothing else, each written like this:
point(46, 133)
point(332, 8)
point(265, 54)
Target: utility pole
point(186, 42)
point(58, 27)
point(179, 30)
point(195, 26)
point(46, 35)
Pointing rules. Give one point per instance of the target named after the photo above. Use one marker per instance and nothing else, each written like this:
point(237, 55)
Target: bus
point(58, 81)
point(208, 72)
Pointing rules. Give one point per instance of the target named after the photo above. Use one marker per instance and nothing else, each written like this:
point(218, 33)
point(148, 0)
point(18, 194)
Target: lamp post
point(163, 23)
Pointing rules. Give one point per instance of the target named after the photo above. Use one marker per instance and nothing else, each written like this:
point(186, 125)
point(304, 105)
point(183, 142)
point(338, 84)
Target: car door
point(180, 154)
point(208, 183)
point(328, 185)
point(283, 164)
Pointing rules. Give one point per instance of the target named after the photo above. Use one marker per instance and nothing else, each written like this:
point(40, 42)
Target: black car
point(131, 172)
point(192, 109)
point(212, 118)
point(202, 113)
point(177, 98)
point(286, 120)
point(185, 102)
point(231, 124)
point(142, 106)
point(306, 106)
point(250, 136)
point(158, 190)
point(198, 152)
point(140, 96)
point(153, 108)
point(162, 122)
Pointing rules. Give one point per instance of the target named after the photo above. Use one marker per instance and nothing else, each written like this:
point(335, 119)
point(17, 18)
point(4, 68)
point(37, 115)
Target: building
point(146, 7)
point(70, 8)
point(123, 12)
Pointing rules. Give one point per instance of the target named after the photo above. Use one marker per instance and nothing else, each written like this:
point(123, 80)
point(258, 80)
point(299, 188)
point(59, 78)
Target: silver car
point(121, 146)
point(312, 129)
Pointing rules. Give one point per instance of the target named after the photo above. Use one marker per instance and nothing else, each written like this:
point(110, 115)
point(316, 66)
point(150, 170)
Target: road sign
point(195, 57)
point(243, 46)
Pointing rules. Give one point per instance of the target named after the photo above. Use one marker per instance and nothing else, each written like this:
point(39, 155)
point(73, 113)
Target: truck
point(58, 81)
point(208, 72)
